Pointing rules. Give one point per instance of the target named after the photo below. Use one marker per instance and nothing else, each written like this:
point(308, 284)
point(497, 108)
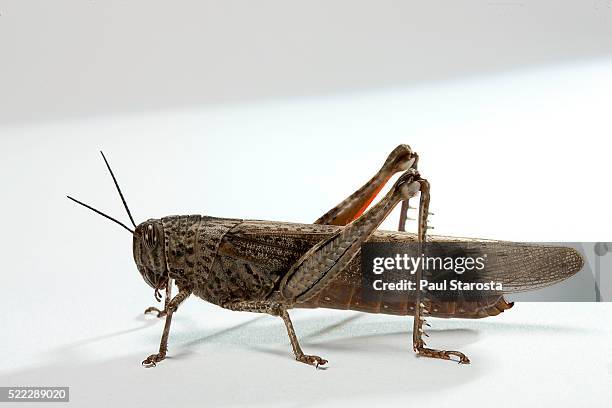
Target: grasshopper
point(272, 267)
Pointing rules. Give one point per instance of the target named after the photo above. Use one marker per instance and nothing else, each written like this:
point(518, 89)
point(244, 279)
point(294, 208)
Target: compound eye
point(150, 237)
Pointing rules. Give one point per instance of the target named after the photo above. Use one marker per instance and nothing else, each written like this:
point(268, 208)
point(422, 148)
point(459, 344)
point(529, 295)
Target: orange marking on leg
point(370, 199)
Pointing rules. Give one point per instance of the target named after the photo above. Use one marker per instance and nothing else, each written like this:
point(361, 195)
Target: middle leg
point(277, 309)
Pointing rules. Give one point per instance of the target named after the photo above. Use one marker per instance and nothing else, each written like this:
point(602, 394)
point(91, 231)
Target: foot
point(443, 354)
point(153, 309)
point(153, 359)
point(311, 360)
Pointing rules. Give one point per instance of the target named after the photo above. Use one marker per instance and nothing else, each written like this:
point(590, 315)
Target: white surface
point(519, 157)
point(534, 355)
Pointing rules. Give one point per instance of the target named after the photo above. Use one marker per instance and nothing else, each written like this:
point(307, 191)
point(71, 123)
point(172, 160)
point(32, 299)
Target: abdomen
point(257, 254)
point(345, 293)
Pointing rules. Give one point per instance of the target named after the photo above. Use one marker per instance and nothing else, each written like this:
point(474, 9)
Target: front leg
point(277, 309)
point(162, 313)
point(153, 359)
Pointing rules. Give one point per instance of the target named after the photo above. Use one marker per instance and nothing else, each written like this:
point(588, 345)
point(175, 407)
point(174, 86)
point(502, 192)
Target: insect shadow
point(371, 359)
point(357, 332)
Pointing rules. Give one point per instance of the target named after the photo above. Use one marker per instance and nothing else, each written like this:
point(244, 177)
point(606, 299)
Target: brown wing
point(519, 267)
point(270, 248)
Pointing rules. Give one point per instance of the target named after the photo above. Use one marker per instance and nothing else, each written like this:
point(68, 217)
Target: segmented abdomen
point(345, 293)
point(269, 249)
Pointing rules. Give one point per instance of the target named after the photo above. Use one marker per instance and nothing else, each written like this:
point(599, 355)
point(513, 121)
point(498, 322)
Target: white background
point(278, 112)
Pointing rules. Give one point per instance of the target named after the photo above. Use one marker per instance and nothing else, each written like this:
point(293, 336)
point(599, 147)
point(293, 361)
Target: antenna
point(118, 189)
point(101, 213)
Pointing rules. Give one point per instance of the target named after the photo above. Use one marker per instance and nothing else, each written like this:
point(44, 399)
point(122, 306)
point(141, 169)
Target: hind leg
point(421, 309)
point(351, 208)
point(325, 260)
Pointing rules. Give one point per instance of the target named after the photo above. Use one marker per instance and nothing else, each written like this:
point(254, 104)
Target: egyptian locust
point(272, 267)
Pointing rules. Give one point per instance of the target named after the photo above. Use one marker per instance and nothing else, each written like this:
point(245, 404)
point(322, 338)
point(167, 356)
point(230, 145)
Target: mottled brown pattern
point(257, 243)
point(245, 260)
point(192, 242)
point(270, 267)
